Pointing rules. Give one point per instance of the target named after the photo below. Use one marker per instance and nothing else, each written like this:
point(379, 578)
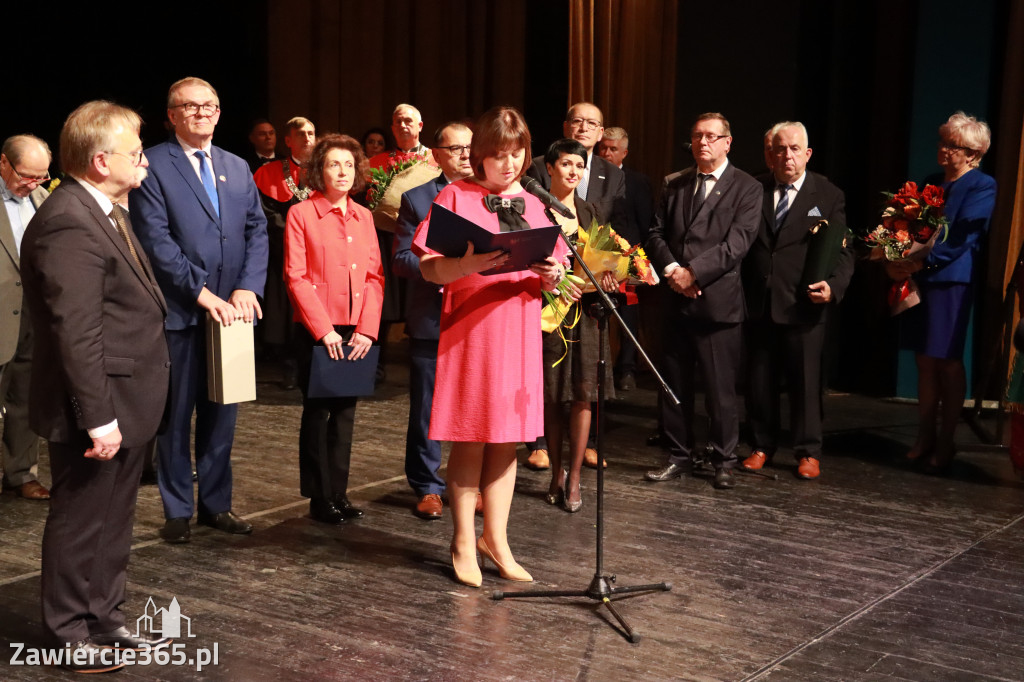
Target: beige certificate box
point(230, 362)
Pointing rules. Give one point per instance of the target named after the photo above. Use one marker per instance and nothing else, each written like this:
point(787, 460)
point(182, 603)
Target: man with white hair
point(785, 328)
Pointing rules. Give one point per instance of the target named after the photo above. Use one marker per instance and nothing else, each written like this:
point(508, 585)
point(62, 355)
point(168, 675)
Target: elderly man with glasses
point(706, 220)
point(24, 169)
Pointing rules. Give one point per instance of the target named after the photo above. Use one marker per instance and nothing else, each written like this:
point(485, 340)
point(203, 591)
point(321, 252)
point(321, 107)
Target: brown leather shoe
point(538, 460)
point(808, 468)
point(429, 507)
point(756, 461)
point(590, 459)
point(33, 490)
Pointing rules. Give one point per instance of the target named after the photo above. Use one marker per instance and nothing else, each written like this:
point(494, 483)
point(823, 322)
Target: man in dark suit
point(614, 149)
point(99, 397)
point(706, 220)
point(603, 184)
point(198, 216)
point(423, 318)
point(786, 321)
point(24, 166)
point(263, 139)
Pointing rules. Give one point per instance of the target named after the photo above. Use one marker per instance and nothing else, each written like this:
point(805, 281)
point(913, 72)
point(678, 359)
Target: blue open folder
point(340, 378)
point(449, 233)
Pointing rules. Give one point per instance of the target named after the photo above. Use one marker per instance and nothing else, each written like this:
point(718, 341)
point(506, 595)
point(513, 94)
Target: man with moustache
point(423, 319)
point(282, 184)
point(24, 167)
point(198, 216)
point(706, 220)
point(406, 126)
point(786, 321)
point(98, 398)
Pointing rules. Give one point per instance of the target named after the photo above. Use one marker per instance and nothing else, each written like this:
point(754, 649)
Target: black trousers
point(794, 351)
point(325, 433)
point(715, 348)
point(88, 539)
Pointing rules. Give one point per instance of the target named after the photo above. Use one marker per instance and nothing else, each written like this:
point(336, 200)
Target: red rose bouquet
point(910, 223)
point(402, 172)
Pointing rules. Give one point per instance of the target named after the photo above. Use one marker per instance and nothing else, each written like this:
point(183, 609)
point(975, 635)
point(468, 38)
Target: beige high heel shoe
point(471, 577)
point(514, 572)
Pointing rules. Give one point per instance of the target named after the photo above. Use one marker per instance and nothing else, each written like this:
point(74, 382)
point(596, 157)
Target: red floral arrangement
point(380, 178)
point(910, 217)
point(910, 223)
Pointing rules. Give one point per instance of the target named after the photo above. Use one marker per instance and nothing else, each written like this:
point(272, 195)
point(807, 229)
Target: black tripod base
point(600, 589)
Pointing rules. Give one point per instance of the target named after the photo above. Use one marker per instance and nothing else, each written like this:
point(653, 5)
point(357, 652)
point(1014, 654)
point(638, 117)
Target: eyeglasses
point(711, 138)
point(134, 157)
point(585, 123)
point(193, 108)
point(27, 179)
point(949, 146)
point(457, 149)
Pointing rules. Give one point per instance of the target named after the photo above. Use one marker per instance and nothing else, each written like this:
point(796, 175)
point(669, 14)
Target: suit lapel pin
point(222, 178)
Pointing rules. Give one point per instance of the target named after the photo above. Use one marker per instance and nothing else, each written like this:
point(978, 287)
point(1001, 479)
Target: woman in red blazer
point(335, 280)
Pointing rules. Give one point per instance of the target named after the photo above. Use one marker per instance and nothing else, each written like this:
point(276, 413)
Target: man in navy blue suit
point(423, 318)
point(199, 218)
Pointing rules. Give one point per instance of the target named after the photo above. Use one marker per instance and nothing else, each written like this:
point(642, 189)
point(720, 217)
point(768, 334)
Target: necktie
point(207, 179)
point(581, 189)
point(121, 220)
point(782, 208)
point(698, 197)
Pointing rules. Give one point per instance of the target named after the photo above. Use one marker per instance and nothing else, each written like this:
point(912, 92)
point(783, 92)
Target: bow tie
point(509, 211)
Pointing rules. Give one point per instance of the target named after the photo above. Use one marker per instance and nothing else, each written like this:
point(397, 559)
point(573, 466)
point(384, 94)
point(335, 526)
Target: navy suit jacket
point(189, 245)
point(423, 313)
point(640, 202)
point(970, 201)
point(775, 263)
point(712, 245)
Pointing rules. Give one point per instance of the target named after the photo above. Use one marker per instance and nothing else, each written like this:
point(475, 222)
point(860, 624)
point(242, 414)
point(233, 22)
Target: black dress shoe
point(724, 478)
point(226, 521)
point(122, 638)
point(669, 472)
point(346, 508)
point(176, 531)
point(86, 657)
point(324, 511)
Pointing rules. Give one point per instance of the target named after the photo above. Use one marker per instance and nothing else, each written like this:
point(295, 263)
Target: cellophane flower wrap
point(601, 248)
point(387, 185)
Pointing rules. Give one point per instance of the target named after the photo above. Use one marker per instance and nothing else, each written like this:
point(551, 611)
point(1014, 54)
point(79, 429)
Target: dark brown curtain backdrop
point(622, 57)
point(346, 64)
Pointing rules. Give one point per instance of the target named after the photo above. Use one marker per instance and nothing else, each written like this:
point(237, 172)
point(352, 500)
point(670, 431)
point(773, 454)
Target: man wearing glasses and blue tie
point(706, 220)
point(199, 218)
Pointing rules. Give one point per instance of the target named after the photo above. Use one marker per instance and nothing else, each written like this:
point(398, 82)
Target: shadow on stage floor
point(874, 571)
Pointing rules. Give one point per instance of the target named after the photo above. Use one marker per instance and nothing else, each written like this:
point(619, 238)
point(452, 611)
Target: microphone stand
point(601, 585)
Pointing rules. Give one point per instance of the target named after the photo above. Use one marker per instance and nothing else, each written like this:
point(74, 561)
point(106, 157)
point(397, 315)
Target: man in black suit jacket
point(786, 325)
point(705, 222)
point(603, 184)
point(99, 396)
point(423, 319)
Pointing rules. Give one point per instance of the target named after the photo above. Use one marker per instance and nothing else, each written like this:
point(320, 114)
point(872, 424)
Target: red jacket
point(332, 267)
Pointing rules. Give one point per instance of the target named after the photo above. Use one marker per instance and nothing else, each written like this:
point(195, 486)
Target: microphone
point(536, 189)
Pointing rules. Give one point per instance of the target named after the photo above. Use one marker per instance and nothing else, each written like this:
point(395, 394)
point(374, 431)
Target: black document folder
point(449, 233)
point(340, 378)
point(826, 242)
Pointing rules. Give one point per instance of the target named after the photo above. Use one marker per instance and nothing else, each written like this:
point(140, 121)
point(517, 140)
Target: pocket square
point(814, 213)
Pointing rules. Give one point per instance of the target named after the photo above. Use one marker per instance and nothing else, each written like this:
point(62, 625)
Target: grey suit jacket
point(12, 299)
point(712, 244)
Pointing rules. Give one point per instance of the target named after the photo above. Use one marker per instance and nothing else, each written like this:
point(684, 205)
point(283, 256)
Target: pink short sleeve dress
point(489, 386)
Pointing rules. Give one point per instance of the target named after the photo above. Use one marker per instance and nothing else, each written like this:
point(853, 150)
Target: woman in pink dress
point(488, 395)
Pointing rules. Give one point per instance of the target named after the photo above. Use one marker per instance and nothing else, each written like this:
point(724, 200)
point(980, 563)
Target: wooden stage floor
point(873, 572)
